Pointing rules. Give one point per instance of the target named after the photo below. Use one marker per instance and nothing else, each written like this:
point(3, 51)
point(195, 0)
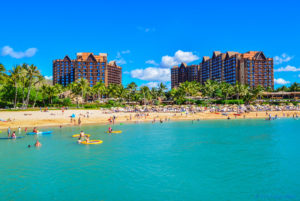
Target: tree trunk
point(16, 95)
point(23, 97)
point(36, 93)
point(28, 94)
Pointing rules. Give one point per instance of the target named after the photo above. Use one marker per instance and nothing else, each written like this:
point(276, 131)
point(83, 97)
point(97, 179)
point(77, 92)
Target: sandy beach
point(51, 118)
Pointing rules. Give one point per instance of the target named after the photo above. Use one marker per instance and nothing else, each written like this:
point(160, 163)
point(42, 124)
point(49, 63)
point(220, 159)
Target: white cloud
point(152, 74)
point(7, 50)
point(48, 77)
point(151, 84)
point(121, 61)
point(281, 81)
point(283, 58)
point(119, 58)
point(179, 57)
point(151, 62)
point(145, 29)
point(288, 68)
point(125, 52)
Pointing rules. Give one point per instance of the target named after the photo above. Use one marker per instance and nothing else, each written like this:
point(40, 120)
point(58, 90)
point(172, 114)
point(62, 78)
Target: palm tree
point(76, 90)
point(15, 74)
point(2, 70)
point(295, 87)
point(38, 81)
point(100, 89)
point(44, 89)
point(209, 88)
point(226, 90)
point(240, 90)
point(132, 87)
point(121, 92)
point(145, 91)
point(112, 90)
point(51, 92)
point(154, 93)
point(32, 72)
point(83, 84)
point(161, 90)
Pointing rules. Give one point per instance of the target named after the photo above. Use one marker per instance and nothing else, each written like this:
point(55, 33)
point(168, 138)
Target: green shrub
point(90, 106)
point(230, 102)
point(66, 102)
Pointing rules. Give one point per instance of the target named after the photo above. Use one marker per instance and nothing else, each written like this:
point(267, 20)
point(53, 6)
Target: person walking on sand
point(79, 121)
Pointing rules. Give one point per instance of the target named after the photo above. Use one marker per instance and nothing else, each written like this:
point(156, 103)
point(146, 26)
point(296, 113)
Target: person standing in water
point(13, 135)
point(19, 129)
point(8, 131)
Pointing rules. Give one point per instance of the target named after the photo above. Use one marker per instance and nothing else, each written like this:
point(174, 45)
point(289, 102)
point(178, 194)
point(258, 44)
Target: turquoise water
point(206, 160)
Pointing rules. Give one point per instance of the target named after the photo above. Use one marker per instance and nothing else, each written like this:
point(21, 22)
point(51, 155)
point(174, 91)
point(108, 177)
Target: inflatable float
point(10, 138)
point(40, 133)
point(92, 142)
point(77, 135)
point(115, 132)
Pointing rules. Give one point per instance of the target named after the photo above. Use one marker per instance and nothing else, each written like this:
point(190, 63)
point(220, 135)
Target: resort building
point(252, 68)
point(94, 68)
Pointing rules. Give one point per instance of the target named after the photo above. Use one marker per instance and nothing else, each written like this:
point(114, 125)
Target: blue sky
point(147, 37)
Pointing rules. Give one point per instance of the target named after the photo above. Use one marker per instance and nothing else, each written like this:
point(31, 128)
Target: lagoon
point(205, 160)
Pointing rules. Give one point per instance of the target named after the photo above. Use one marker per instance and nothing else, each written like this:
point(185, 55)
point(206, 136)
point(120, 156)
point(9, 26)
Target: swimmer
point(87, 139)
point(79, 140)
point(37, 144)
point(109, 129)
point(81, 135)
point(13, 135)
point(29, 146)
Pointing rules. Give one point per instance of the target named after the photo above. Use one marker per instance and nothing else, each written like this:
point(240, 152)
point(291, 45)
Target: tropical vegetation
point(24, 87)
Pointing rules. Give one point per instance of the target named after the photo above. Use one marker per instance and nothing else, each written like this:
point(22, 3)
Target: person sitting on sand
point(13, 135)
point(37, 144)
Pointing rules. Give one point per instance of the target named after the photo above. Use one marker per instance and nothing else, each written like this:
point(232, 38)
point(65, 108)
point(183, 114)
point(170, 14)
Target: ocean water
point(205, 160)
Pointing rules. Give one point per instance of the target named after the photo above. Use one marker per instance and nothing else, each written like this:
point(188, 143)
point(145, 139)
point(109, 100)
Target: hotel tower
point(252, 68)
point(94, 68)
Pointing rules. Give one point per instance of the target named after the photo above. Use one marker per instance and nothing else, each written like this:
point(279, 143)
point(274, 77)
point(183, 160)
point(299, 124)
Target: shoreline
point(56, 118)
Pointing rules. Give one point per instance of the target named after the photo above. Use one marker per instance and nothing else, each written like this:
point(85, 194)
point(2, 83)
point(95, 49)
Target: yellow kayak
point(115, 132)
point(77, 135)
point(92, 142)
